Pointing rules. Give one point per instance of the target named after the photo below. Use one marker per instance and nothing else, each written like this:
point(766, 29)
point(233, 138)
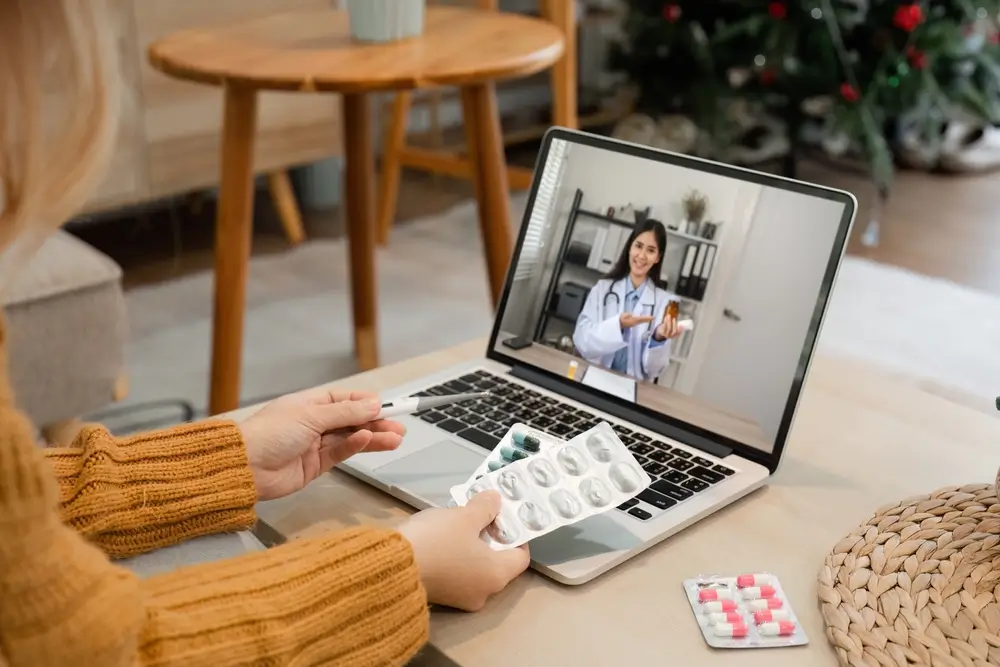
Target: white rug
point(944, 336)
point(432, 294)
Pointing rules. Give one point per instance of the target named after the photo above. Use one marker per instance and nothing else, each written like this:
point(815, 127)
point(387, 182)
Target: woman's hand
point(668, 329)
point(458, 569)
point(295, 438)
point(628, 320)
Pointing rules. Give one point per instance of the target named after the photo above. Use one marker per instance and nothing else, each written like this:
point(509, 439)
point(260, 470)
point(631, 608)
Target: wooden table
point(861, 440)
point(662, 399)
point(312, 51)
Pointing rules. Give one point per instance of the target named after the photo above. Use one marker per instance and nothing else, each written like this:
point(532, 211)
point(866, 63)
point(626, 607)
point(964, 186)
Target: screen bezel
point(618, 406)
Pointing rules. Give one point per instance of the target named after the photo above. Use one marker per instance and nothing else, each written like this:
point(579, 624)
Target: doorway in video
point(689, 293)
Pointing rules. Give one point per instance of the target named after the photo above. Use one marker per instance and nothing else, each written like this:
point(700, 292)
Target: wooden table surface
point(649, 395)
point(861, 440)
point(312, 50)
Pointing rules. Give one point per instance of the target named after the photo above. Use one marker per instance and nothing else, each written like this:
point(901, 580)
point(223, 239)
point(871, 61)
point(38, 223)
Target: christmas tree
point(870, 65)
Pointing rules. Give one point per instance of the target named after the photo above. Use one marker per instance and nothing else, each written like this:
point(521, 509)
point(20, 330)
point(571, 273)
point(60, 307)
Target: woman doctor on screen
point(624, 326)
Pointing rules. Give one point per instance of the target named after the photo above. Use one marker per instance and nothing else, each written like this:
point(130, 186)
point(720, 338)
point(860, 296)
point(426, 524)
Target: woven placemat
point(918, 584)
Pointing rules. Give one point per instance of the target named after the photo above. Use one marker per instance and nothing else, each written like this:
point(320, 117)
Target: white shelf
point(690, 237)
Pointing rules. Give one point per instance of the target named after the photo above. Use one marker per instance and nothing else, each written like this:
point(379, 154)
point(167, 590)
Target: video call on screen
point(688, 293)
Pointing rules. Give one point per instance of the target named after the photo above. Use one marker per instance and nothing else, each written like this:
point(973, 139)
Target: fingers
point(386, 426)
point(343, 414)
point(512, 562)
point(342, 449)
point(384, 442)
point(328, 395)
point(483, 508)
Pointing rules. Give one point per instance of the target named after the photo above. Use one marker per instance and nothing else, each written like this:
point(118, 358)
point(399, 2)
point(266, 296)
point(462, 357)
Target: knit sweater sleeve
point(351, 598)
point(132, 495)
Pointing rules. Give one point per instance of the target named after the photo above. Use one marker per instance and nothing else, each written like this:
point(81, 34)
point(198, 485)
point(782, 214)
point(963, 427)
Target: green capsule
point(527, 442)
point(511, 454)
point(496, 465)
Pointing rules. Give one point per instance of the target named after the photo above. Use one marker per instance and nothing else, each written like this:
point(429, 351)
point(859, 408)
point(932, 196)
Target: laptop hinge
point(633, 416)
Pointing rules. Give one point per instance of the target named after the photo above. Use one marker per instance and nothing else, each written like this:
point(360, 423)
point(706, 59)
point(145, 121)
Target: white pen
point(406, 406)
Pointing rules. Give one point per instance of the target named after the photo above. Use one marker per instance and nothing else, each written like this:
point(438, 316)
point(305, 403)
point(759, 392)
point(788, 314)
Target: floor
point(942, 226)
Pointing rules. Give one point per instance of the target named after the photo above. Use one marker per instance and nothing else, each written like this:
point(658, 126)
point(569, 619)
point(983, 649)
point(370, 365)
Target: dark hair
point(621, 267)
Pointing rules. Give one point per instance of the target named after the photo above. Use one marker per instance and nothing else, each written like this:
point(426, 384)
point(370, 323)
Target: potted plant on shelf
point(695, 206)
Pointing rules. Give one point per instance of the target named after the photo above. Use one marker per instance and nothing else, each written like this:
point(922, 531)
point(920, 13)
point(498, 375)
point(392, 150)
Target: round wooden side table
point(312, 52)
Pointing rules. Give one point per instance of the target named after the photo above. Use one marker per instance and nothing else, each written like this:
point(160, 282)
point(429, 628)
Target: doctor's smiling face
point(643, 255)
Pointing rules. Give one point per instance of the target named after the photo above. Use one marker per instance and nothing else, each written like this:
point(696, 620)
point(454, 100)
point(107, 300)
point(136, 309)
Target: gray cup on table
point(386, 20)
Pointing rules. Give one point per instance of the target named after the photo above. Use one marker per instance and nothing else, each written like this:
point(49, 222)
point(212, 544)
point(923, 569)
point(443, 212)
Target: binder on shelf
point(597, 250)
point(699, 264)
point(613, 241)
point(687, 266)
point(706, 272)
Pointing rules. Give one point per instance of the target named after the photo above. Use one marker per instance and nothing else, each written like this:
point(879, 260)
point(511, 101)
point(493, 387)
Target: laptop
point(708, 417)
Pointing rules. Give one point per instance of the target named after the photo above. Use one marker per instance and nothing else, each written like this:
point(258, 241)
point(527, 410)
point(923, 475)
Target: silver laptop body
point(755, 274)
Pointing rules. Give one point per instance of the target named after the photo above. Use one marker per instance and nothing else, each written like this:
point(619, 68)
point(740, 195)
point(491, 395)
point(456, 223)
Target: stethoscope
point(618, 299)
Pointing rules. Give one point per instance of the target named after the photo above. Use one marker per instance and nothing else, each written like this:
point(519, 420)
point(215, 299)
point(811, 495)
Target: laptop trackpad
point(431, 472)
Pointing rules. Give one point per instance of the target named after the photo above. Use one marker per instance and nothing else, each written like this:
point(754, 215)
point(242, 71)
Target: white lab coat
point(598, 333)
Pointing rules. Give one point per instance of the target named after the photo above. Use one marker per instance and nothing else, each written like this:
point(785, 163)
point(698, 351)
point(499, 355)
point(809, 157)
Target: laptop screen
point(688, 289)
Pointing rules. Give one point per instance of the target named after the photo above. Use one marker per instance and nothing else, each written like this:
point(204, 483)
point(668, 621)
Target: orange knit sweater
point(350, 598)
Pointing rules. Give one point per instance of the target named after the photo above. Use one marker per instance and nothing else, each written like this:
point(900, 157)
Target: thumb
point(513, 562)
point(483, 508)
point(344, 414)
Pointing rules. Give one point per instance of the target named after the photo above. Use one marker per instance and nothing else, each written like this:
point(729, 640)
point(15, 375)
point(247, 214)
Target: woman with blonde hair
point(355, 597)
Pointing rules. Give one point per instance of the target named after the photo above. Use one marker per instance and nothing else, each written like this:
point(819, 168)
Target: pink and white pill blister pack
point(745, 611)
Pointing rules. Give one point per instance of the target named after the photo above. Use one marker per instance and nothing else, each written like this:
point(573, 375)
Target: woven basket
point(918, 584)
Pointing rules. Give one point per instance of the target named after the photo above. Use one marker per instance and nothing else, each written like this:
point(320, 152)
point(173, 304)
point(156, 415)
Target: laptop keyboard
point(678, 474)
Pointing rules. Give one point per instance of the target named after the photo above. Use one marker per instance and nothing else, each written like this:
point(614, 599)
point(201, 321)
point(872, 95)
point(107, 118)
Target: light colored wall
point(748, 366)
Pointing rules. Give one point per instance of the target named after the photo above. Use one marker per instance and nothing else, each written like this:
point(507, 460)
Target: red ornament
point(994, 38)
point(671, 12)
point(908, 17)
point(917, 58)
point(767, 77)
point(777, 10)
point(849, 92)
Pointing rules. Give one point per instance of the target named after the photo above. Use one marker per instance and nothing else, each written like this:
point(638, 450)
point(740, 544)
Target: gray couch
point(66, 331)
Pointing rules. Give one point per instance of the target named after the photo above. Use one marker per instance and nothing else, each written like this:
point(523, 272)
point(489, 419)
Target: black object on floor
point(151, 415)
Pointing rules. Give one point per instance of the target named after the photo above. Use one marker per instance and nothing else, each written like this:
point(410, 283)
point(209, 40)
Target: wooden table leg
point(485, 146)
point(283, 197)
point(359, 153)
point(563, 75)
point(233, 229)
point(394, 144)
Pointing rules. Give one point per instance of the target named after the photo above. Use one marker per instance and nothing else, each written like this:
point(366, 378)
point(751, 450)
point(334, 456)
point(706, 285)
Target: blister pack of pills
point(558, 486)
point(518, 443)
point(746, 611)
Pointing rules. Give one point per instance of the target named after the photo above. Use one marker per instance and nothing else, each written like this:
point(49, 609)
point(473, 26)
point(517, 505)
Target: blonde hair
point(60, 98)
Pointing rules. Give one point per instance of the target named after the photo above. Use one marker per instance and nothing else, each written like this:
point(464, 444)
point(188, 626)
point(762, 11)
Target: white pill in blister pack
point(767, 615)
point(748, 580)
point(769, 603)
point(758, 592)
point(560, 484)
point(726, 617)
